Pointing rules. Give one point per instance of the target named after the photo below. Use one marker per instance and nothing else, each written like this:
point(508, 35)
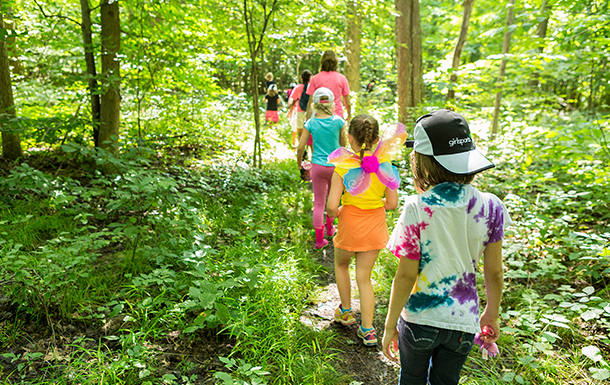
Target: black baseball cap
point(444, 135)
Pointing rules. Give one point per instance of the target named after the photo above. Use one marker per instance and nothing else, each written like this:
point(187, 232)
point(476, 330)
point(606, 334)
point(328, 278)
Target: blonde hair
point(427, 172)
point(269, 76)
point(365, 130)
point(328, 108)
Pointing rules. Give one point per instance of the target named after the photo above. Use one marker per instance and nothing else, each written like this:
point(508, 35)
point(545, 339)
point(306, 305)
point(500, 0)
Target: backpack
point(304, 98)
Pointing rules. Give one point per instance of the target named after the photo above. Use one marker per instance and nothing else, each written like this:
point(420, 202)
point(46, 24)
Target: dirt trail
point(367, 365)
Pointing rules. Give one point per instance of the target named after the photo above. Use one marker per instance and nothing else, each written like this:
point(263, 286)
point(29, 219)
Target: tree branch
point(55, 16)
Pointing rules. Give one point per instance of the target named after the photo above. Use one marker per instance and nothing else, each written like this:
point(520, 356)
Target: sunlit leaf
point(589, 290)
point(592, 352)
point(591, 314)
point(600, 374)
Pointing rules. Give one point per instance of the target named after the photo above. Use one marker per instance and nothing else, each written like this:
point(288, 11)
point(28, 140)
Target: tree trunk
point(110, 111)
point(545, 11)
point(255, 45)
point(505, 49)
point(353, 38)
point(11, 143)
point(91, 71)
point(408, 57)
point(418, 77)
point(257, 158)
point(457, 52)
point(13, 54)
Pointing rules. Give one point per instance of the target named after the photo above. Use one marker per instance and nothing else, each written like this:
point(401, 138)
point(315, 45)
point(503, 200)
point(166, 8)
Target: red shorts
point(272, 116)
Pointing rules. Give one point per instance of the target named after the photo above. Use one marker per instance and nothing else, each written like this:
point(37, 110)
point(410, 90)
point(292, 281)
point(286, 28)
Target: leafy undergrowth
point(176, 269)
point(553, 174)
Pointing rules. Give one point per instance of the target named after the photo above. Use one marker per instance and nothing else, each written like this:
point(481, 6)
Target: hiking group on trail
point(441, 235)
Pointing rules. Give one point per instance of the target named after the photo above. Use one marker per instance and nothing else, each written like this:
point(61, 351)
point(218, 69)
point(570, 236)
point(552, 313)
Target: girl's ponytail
point(365, 130)
point(367, 127)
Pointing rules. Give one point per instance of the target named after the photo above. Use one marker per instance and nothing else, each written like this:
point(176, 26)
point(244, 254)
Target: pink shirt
point(334, 81)
point(296, 95)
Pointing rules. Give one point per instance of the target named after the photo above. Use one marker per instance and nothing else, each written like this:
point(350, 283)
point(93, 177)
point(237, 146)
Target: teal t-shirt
point(325, 133)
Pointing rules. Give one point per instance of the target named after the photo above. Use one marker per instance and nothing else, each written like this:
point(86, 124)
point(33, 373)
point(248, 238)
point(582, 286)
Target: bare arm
point(405, 278)
point(348, 107)
point(343, 136)
point(309, 111)
point(334, 196)
point(494, 281)
point(301, 149)
point(390, 202)
point(291, 103)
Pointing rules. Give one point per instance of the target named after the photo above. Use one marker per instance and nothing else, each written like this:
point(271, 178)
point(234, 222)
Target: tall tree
point(110, 112)
point(353, 38)
point(266, 8)
point(545, 11)
point(457, 51)
point(408, 57)
point(505, 49)
point(11, 143)
point(94, 96)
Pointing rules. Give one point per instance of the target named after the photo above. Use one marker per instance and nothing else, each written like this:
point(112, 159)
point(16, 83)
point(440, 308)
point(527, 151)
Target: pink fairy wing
point(391, 142)
point(344, 158)
point(356, 181)
point(388, 175)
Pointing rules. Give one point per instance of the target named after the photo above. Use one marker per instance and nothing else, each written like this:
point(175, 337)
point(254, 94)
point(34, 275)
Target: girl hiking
point(330, 78)
point(440, 237)
point(298, 101)
point(272, 98)
point(362, 231)
point(327, 131)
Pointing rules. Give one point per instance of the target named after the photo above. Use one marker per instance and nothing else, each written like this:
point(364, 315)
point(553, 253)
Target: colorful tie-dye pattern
point(444, 194)
point(495, 221)
point(410, 247)
point(447, 229)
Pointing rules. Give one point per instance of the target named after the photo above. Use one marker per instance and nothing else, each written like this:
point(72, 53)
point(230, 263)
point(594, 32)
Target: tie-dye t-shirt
point(447, 228)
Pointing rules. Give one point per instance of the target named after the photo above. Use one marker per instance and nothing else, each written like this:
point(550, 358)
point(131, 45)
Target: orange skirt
point(361, 230)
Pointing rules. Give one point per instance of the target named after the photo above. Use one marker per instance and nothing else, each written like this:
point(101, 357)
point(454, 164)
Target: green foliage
point(174, 237)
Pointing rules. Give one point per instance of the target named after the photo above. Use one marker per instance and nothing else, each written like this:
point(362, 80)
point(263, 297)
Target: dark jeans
point(431, 355)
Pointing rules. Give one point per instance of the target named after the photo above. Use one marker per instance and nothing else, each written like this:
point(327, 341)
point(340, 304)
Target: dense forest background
point(144, 241)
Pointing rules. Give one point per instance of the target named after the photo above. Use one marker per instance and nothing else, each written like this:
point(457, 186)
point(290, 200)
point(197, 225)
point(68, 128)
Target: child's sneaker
point(346, 318)
point(369, 337)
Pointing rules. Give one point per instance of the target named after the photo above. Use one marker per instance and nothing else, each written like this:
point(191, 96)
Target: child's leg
point(449, 358)
point(320, 178)
point(342, 261)
point(416, 345)
point(364, 266)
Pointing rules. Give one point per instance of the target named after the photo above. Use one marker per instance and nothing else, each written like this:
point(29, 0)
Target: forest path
point(366, 365)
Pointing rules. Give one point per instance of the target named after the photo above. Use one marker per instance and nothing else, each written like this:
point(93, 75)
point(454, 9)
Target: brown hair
point(365, 130)
point(427, 172)
point(329, 61)
point(305, 76)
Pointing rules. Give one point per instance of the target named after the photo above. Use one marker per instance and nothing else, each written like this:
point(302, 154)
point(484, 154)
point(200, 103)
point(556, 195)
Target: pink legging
point(320, 180)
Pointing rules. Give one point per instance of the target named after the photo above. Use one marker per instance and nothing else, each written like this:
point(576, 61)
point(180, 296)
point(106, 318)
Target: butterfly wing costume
point(358, 179)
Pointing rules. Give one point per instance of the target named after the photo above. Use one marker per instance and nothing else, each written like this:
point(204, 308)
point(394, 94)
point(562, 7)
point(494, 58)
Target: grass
point(177, 256)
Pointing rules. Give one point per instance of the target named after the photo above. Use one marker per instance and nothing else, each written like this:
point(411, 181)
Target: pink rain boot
point(320, 241)
point(331, 229)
